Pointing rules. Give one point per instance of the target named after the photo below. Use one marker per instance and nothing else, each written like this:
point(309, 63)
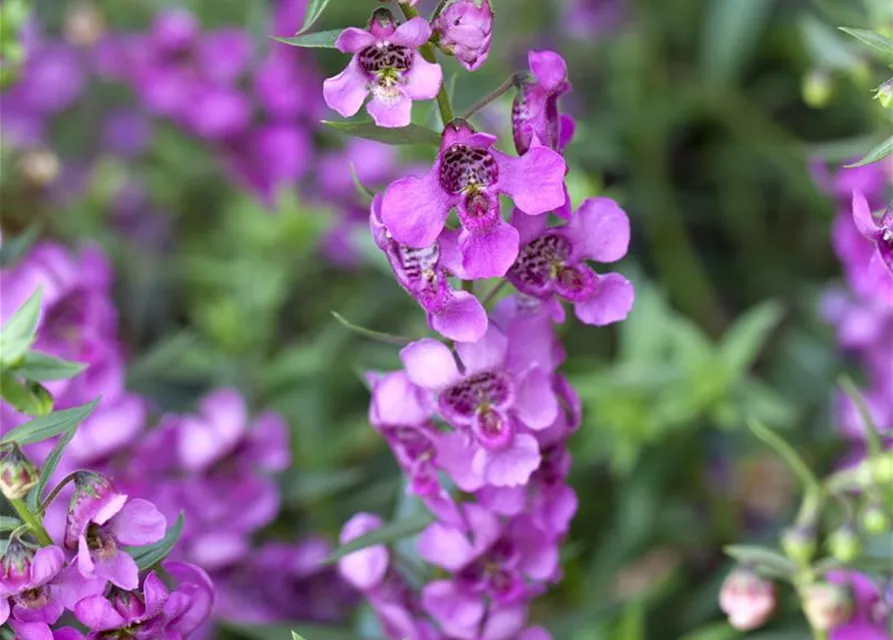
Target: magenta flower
point(552, 261)
point(469, 174)
point(29, 581)
point(871, 615)
point(387, 64)
point(154, 612)
point(465, 31)
point(366, 568)
point(880, 233)
point(492, 399)
point(457, 315)
point(535, 117)
point(100, 520)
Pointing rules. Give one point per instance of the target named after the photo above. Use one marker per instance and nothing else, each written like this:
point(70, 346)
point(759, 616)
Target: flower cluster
point(478, 423)
point(217, 467)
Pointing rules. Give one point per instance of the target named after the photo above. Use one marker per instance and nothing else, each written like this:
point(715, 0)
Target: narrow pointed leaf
point(880, 152)
point(14, 249)
point(49, 466)
point(18, 334)
point(318, 40)
point(764, 559)
point(49, 426)
point(41, 367)
point(29, 398)
point(150, 554)
point(872, 39)
point(365, 193)
point(743, 342)
point(314, 11)
point(8, 523)
point(387, 534)
point(412, 134)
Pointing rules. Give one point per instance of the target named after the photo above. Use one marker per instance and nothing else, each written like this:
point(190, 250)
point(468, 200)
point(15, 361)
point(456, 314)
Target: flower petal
point(412, 33)
point(611, 301)
point(535, 402)
point(346, 92)
point(366, 568)
point(430, 364)
point(599, 231)
point(529, 227)
point(458, 613)
point(120, 569)
point(423, 80)
point(512, 466)
point(45, 565)
point(445, 546)
point(863, 217)
point(397, 401)
point(353, 40)
point(487, 353)
point(98, 614)
point(414, 209)
point(462, 319)
point(391, 112)
point(535, 181)
point(549, 69)
point(154, 595)
point(489, 253)
point(138, 523)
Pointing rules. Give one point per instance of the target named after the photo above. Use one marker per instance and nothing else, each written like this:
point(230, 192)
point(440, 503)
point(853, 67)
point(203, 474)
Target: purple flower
point(553, 261)
point(100, 520)
point(386, 62)
point(250, 159)
point(53, 78)
point(126, 133)
point(870, 619)
point(469, 174)
point(366, 568)
point(29, 582)
point(457, 315)
point(535, 117)
point(489, 401)
point(218, 113)
point(880, 233)
point(174, 30)
point(465, 31)
point(154, 612)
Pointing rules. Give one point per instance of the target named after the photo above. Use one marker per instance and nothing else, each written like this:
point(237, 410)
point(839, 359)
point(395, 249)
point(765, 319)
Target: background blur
point(713, 122)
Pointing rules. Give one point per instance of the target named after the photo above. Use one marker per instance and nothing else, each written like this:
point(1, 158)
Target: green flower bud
point(17, 474)
point(844, 544)
point(799, 543)
point(874, 519)
point(826, 605)
point(817, 89)
point(884, 94)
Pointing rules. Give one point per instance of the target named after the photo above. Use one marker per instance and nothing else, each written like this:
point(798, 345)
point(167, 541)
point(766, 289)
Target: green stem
point(495, 290)
point(795, 462)
point(510, 82)
point(427, 51)
point(439, 9)
point(34, 524)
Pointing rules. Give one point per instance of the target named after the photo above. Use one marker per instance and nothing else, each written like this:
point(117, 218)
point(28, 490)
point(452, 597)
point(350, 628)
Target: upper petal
point(529, 227)
point(863, 217)
point(397, 401)
point(445, 546)
point(430, 364)
point(549, 69)
point(346, 92)
point(414, 209)
point(412, 33)
point(45, 565)
point(458, 613)
point(138, 523)
point(535, 402)
point(611, 301)
point(512, 466)
point(599, 231)
point(489, 253)
point(98, 614)
point(487, 353)
point(353, 40)
point(120, 569)
point(535, 181)
point(463, 318)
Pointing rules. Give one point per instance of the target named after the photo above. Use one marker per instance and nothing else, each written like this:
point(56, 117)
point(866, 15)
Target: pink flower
point(469, 175)
point(387, 64)
point(552, 261)
point(366, 568)
point(747, 599)
point(424, 273)
point(535, 117)
point(465, 31)
point(880, 233)
point(870, 618)
point(100, 520)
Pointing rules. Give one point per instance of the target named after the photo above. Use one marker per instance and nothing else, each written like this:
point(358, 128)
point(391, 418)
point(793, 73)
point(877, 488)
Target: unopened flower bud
point(84, 24)
point(799, 543)
point(817, 89)
point(884, 94)
point(826, 605)
point(15, 566)
point(747, 599)
point(844, 544)
point(17, 473)
point(39, 166)
point(465, 31)
point(874, 519)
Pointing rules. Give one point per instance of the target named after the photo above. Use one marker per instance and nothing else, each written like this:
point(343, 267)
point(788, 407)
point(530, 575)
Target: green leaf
point(314, 10)
point(17, 335)
point(40, 367)
point(46, 471)
point(880, 152)
point(150, 554)
point(795, 462)
point(763, 559)
point(872, 39)
point(318, 40)
point(828, 48)
point(48, 426)
point(313, 631)
point(731, 33)
point(412, 134)
point(8, 523)
point(297, 636)
point(385, 534)
point(14, 249)
point(369, 333)
point(29, 398)
point(743, 342)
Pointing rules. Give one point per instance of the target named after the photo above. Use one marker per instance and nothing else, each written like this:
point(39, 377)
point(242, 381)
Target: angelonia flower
point(747, 599)
point(479, 424)
point(386, 63)
point(464, 29)
point(869, 614)
point(880, 233)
